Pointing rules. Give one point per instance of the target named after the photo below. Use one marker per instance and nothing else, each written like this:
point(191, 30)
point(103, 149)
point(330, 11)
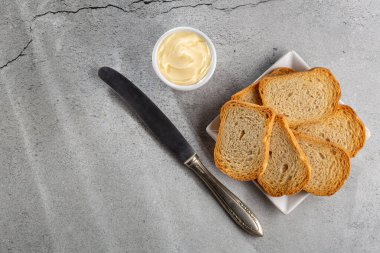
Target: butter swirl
point(184, 58)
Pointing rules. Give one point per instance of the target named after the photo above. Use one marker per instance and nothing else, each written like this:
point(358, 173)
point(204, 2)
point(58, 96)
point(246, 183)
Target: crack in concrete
point(226, 9)
point(244, 5)
point(80, 9)
point(146, 2)
point(56, 12)
point(18, 56)
point(185, 6)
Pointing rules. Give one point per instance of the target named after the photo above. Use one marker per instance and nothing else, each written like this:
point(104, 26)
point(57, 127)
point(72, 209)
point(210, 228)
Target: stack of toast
point(289, 132)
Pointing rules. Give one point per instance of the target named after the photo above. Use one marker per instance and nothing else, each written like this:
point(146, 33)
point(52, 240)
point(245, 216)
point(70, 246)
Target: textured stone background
point(79, 173)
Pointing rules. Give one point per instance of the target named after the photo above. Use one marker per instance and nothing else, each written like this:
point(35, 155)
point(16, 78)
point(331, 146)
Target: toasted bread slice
point(281, 71)
point(302, 96)
point(343, 128)
point(330, 165)
point(242, 146)
point(288, 170)
point(251, 94)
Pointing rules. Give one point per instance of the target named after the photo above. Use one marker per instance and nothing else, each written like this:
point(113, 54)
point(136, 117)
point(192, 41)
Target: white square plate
point(285, 204)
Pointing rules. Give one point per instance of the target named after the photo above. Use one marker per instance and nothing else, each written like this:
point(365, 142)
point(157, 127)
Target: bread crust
point(360, 134)
point(277, 192)
point(254, 87)
point(293, 123)
point(218, 158)
point(363, 136)
point(345, 170)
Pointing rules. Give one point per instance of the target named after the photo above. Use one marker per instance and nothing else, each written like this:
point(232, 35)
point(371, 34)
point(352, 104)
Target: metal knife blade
point(152, 116)
point(169, 135)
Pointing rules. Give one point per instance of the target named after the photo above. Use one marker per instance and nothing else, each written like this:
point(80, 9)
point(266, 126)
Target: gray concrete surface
point(79, 173)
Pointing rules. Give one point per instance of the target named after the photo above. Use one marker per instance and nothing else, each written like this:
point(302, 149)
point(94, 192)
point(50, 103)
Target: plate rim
point(285, 209)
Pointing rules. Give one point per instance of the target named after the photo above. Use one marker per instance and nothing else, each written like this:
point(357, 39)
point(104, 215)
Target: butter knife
point(170, 137)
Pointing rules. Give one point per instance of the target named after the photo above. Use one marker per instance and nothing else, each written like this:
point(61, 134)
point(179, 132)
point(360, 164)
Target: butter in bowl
point(184, 58)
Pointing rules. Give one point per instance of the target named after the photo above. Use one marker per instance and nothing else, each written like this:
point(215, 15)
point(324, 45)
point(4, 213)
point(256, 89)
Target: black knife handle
point(152, 116)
